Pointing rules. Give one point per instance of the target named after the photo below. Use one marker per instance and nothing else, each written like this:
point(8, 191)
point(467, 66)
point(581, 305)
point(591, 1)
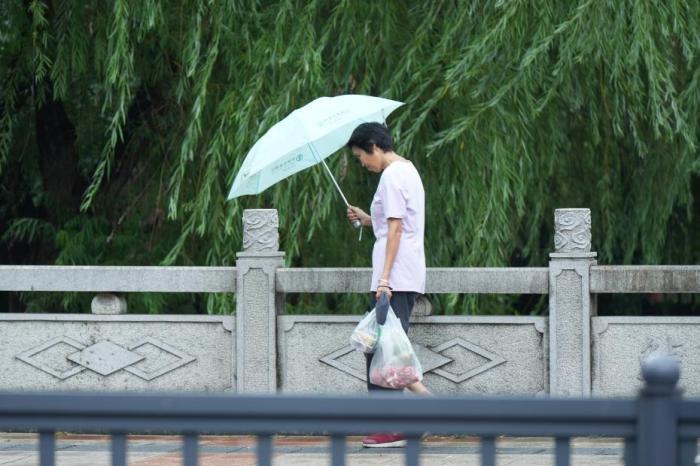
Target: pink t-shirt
point(400, 195)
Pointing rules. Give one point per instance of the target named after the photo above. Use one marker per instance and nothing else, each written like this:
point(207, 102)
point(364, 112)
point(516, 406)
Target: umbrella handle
point(356, 223)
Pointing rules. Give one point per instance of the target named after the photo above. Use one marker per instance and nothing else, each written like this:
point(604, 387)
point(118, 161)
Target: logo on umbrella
point(332, 118)
point(289, 162)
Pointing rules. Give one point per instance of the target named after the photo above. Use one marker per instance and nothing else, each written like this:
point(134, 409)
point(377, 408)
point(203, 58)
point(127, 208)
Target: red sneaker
point(384, 441)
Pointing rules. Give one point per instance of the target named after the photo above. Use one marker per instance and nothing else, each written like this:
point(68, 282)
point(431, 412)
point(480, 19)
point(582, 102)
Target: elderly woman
point(397, 217)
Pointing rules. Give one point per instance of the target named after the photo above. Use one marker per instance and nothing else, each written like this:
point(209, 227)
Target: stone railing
point(259, 349)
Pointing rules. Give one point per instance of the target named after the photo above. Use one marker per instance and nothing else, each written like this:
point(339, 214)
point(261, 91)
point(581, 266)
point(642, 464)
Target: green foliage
point(29, 230)
point(512, 109)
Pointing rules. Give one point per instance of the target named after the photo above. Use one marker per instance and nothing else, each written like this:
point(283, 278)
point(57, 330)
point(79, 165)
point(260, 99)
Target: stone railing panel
point(116, 352)
point(496, 355)
point(620, 344)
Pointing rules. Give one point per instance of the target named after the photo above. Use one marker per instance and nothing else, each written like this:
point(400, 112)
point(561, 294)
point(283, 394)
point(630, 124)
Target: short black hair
point(368, 134)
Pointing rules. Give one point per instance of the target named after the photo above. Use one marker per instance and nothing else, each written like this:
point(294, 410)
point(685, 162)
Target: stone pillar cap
point(260, 230)
point(572, 232)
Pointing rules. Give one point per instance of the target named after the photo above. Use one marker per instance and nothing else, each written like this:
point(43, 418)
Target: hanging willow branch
point(512, 109)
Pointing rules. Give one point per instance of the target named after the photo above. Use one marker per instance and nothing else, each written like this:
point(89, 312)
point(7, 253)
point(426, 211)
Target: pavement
point(19, 449)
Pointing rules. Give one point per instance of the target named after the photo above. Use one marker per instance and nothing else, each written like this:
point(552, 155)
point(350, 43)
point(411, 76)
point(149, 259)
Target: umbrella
point(305, 138)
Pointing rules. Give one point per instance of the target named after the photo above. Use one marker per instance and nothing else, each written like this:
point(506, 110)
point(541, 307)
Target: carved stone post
point(256, 316)
point(570, 304)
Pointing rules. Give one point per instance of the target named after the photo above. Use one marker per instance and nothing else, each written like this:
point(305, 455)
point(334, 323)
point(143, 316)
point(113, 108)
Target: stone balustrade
point(570, 352)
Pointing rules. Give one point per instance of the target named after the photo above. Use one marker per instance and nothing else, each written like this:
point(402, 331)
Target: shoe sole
point(398, 443)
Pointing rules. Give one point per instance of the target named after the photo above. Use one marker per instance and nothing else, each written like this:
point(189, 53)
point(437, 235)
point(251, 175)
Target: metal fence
point(659, 427)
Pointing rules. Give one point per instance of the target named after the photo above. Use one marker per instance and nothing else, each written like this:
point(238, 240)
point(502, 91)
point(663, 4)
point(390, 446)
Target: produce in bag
point(394, 364)
point(364, 337)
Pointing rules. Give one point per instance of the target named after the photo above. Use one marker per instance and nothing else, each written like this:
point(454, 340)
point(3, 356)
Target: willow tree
point(124, 122)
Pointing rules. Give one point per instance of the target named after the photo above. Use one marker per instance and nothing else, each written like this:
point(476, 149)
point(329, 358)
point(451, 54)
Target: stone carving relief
point(660, 346)
point(335, 359)
point(64, 357)
point(491, 360)
point(260, 230)
point(572, 230)
point(436, 360)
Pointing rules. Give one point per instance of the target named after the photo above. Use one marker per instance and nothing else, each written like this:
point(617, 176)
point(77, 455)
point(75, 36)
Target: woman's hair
point(371, 133)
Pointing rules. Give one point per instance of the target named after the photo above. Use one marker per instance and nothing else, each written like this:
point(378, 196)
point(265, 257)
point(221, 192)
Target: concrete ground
point(93, 450)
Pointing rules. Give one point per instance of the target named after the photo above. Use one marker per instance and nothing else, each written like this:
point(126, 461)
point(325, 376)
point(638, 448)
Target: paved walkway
point(93, 450)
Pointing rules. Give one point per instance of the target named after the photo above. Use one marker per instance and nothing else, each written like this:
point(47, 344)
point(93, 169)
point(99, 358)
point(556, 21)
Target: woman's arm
point(392, 247)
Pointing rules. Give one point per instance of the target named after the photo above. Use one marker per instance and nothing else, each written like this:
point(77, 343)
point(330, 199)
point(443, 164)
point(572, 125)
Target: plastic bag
point(364, 337)
point(394, 364)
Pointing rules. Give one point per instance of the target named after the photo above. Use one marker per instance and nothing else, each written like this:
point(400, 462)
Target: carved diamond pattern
point(147, 358)
point(492, 358)
point(159, 367)
point(105, 357)
point(28, 357)
point(333, 360)
point(428, 358)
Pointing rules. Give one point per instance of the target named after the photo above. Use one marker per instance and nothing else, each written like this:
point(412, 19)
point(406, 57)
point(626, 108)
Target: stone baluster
point(571, 305)
point(108, 303)
point(256, 315)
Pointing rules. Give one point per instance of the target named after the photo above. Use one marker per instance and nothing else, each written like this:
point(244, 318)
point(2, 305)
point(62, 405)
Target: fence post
point(570, 304)
point(657, 429)
point(256, 315)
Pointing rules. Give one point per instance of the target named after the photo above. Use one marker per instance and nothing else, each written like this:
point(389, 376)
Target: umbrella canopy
point(306, 137)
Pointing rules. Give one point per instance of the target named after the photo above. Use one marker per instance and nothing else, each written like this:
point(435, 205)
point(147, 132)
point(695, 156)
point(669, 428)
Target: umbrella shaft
point(356, 223)
point(328, 170)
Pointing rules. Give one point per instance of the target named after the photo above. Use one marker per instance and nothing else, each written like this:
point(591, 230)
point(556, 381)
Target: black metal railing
point(659, 427)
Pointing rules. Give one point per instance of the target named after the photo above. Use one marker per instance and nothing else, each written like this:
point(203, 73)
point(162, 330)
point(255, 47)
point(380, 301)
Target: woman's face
point(370, 160)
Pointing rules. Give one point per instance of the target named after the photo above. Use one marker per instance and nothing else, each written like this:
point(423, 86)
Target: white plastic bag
point(394, 364)
point(364, 337)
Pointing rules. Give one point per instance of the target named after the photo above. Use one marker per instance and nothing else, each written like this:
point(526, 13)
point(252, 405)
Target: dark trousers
point(401, 303)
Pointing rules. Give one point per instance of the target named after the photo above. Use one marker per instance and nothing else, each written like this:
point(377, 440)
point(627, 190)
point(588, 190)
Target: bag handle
point(381, 308)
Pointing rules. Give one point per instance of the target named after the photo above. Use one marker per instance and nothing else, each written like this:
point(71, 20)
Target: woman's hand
point(355, 213)
point(383, 289)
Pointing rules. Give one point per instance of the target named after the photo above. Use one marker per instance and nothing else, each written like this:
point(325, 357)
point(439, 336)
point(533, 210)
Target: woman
point(397, 217)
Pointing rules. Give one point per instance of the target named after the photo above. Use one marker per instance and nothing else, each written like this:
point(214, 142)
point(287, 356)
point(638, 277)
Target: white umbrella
point(305, 138)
